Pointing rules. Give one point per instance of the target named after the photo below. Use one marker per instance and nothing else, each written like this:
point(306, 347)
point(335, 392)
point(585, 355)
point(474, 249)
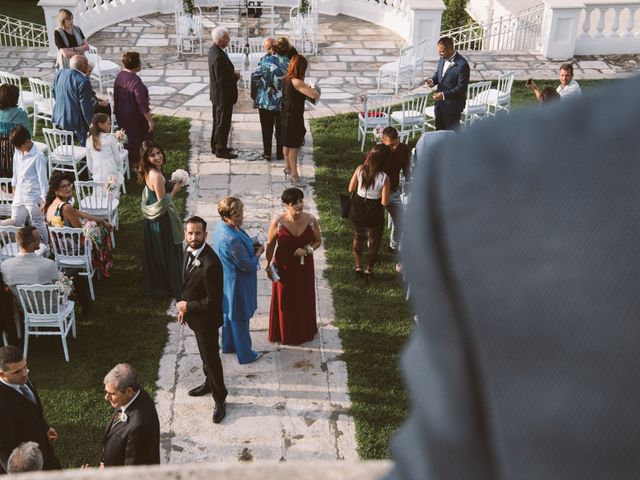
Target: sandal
point(358, 272)
point(368, 274)
point(287, 172)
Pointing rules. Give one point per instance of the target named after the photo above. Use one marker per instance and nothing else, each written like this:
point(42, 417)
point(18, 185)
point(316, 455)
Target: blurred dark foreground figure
point(524, 267)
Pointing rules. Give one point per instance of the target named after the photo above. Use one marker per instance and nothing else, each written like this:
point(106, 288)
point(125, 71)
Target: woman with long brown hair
point(162, 232)
point(294, 93)
point(371, 186)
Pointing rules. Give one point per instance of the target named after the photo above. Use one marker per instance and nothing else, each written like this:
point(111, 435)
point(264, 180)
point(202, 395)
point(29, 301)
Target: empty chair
point(500, 98)
point(8, 246)
point(397, 71)
point(103, 70)
point(417, 60)
point(26, 97)
point(95, 200)
point(410, 119)
point(376, 113)
point(63, 154)
point(189, 31)
point(256, 52)
point(42, 102)
point(303, 28)
point(46, 312)
point(6, 197)
point(477, 105)
point(236, 52)
point(72, 249)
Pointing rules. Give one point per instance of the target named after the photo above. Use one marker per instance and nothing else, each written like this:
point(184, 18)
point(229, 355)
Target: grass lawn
point(27, 10)
point(124, 326)
point(374, 319)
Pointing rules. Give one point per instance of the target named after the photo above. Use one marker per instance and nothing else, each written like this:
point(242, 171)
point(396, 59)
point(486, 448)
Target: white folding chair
point(104, 71)
point(500, 98)
point(125, 169)
point(63, 154)
point(410, 119)
point(46, 313)
point(303, 28)
point(8, 246)
point(6, 197)
point(114, 122)
point(71, 249)
point(236, 52)
point(376, 112)
point(256, 52)
point(42, 102)
point(189, 31)
point(26, 97)
point(417, 60)
point(95, 200)
point(477, 105)
point(397, 71)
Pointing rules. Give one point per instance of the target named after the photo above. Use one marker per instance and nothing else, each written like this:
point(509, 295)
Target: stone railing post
point(51, 9)
point(560, 28)
point(425, 22)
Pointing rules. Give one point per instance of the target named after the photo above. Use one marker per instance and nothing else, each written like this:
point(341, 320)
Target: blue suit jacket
point(73, 108)
point(453, 83)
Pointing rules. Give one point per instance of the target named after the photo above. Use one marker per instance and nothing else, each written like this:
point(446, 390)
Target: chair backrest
point(8, 245)
point(414, 102)
point(419, 51)
point(405, 61)
point(505, 82)
point(235, 46)
point(477, 97)
point(377, 105)
point(93, 196)
point(42, 94)
point(69, 244)
point(39, 302)
point(10, 78)
point(60, 143)
point(114, 123)
point(256, 46)
point(6, 197)
point(94, 58)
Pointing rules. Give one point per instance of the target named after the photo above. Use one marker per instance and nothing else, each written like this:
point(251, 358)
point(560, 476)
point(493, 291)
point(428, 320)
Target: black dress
point(292, 115)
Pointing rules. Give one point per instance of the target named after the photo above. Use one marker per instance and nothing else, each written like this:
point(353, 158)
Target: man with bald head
point(73, 95)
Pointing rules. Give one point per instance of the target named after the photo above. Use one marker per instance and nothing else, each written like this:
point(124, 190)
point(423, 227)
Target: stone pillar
point(560, 28)
point(51, 9)
point(426, 17)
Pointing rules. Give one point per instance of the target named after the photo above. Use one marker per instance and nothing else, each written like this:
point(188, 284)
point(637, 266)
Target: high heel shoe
point(298, 182)
point(287, 173)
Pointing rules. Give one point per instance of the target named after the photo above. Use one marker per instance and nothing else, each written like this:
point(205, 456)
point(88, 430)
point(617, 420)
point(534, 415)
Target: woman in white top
point(371, 186)
point(104, 158)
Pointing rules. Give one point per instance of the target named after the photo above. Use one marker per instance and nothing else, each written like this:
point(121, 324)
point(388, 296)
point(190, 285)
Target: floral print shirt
point(272, 69)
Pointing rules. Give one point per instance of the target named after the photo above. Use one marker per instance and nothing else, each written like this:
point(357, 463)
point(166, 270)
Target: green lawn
point(23, 9)
point(124, 326)
point(374, 319)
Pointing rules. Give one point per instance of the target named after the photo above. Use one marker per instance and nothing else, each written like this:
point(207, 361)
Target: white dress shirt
point(572, 89)
point(448, 63)
point(29, 177)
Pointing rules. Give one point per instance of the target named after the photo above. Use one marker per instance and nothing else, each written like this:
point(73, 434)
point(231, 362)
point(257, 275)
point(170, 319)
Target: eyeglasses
point(66, 185)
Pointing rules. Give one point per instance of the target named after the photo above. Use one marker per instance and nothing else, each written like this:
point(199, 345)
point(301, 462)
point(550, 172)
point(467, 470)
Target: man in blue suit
point(73, 96)
point(451, 78)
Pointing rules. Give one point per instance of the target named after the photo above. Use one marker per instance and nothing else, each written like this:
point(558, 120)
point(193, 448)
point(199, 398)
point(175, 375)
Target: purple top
point(130, 96)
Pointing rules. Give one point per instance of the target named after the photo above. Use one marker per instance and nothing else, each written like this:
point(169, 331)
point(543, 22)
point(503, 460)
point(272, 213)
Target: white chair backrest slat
point(42, 94)
point(69, 243)
point(40, 302)
point(60, 143)
point(8, 245)
point(6, 197)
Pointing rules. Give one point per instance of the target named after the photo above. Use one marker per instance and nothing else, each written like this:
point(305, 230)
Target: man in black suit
point(223, 92)
point(133, 434)
point(21, 415)
point(201, 308)
point(451, 78)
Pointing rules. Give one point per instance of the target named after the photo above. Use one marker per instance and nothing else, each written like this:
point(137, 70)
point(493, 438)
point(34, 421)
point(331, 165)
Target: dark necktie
point(26, 391)
point(190, 259)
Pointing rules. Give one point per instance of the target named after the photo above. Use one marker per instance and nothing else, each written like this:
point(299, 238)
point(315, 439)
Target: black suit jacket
point(523, 261)
point(453, 83)
point(223, 86)
point(202, 290)
point(136, 441)
point(23, 421)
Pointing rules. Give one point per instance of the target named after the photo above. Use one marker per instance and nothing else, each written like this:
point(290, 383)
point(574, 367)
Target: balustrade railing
point(609, 28)
point(18, 33)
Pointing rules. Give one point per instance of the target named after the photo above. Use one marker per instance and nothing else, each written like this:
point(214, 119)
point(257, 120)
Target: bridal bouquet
point(90, 230)
point(181, 177)
point(377, 133)
point(111, 184)
point(121, 136)
point(64, 285)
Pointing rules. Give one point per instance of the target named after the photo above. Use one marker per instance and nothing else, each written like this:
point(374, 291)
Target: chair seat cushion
point(43, 147)
point(65, 151)
point(373, 113)
point(390, 67)
point(109, 66)
point(430, 111)
point(410, 116)
point(27, 98)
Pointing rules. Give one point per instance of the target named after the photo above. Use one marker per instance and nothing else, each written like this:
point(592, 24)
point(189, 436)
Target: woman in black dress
point(294, 93)
point(68, 38)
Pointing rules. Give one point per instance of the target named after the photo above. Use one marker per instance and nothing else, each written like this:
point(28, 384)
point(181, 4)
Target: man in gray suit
point(27, 268)
point(523, 261)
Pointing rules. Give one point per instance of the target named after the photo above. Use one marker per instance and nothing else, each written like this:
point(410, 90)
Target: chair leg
point(5, 340)
point(16, 318)
point(73, 323)
point(113, 238)
point(25, 348)
point(364, 137)
point(63, 337)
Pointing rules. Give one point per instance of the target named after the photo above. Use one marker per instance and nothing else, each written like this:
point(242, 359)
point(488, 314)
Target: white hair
point(218, 34)
point(123, 376)
point(78, 62)
point(26, 457)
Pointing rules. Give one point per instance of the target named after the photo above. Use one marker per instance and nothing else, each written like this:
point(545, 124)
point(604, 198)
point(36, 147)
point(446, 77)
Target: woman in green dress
point(163, 253)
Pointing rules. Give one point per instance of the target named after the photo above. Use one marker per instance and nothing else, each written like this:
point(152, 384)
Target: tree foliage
point(455, 14)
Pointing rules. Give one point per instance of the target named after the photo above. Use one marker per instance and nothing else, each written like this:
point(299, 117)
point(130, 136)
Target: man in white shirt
point(568, 86)
point(29, 180)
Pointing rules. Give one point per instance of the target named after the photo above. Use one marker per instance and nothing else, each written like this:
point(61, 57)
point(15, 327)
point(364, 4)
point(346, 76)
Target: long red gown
point(292, 320)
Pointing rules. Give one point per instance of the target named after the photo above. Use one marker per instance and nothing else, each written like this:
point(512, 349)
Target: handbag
point(345, 204)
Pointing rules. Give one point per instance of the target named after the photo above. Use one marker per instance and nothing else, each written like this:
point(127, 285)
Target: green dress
point(162, 257)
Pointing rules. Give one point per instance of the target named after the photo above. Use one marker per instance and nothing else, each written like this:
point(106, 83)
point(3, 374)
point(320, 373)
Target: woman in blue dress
point(239, 259)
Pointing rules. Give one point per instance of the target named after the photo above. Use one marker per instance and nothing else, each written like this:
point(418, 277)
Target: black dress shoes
point(228, 155)
point(219, 412)
point(200, 390)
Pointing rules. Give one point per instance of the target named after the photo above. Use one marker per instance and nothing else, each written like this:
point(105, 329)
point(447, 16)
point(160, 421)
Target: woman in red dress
point(294, 235)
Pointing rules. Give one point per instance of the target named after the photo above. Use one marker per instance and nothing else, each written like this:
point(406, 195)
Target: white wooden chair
point(376, 112)
point(189, 31)
point(398, 71)
point(42, 102)
point(236, 52)
point(114, 122)
point(46, 313)
point(71, 249)
point(6, 197)
point(411, 119)
point(26, 97)
point(95, 200)
point(8, 245)
point(417, 60)
point(500, 98)
point(477, 106)
point(256, 52)
point(303, 28)
point(104, 71)
point(63, 154)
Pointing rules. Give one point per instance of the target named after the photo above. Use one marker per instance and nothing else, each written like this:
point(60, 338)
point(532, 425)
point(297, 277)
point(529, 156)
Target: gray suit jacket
point(524, 264)
point(28, 269)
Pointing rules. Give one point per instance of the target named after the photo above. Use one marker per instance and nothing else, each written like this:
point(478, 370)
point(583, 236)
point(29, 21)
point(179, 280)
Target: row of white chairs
point(415, 116)
point(406, 69)
point(245, 57)
point(39, 98)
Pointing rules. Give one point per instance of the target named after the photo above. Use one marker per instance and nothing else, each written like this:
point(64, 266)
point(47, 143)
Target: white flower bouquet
point(377, 133)
point(121, 136)
point(90, 230)
point(181, 177)
point(111, 184)
point(64, 285)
